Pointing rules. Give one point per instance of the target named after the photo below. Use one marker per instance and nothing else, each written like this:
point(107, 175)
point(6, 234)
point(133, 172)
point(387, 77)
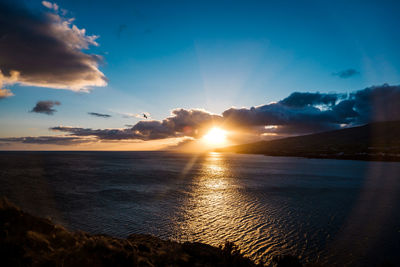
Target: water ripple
point(316, 209)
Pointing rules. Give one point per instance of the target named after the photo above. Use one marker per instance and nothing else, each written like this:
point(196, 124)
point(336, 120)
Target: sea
point(334, 212)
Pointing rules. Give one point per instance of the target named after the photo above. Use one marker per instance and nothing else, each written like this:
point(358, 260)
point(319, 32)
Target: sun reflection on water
point(222, 205)
point(213, 212)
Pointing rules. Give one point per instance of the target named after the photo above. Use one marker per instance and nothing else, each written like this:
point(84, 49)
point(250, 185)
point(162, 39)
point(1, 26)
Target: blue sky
point(162, 55)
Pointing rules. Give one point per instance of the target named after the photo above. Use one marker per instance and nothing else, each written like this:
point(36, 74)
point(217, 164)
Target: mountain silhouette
point(374, 141)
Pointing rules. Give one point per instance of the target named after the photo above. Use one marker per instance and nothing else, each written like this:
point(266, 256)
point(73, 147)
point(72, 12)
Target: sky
point(138, 75)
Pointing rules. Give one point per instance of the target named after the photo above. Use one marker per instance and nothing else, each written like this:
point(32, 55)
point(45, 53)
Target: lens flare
point(215, 136)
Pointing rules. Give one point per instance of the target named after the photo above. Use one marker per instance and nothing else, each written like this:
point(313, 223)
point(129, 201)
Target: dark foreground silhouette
point(375, 141)
point(26, 240)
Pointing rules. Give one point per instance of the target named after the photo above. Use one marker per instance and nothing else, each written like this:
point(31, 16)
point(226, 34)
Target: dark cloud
point(344, 74)
point(190, 122)
point(377, 103)
point(304, 119)
point(99, 115)
point(295, 113)
point(45, 107)
point(314, 112)
point(103, 134)
point(298, 99)
point(45, 50)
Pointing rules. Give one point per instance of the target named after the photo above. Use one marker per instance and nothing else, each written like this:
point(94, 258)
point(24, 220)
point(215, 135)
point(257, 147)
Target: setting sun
point(215, 136)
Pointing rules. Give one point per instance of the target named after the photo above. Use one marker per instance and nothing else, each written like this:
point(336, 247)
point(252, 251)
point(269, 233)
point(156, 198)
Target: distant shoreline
point(338, 157)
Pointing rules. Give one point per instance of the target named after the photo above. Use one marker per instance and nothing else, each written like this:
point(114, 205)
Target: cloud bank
point(45, 107)
point(182, 123)
point(299, 113)
point(315, 112)
point(46, 50)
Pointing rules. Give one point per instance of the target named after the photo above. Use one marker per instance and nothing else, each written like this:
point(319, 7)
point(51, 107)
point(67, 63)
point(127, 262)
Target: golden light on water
point(216, 136)
point(215, 210)
point(209, 214)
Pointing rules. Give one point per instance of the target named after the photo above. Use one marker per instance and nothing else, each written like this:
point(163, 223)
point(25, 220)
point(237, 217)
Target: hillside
point(375, 141)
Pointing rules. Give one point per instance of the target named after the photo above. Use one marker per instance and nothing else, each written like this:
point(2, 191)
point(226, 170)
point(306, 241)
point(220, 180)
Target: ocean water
point(344, 213)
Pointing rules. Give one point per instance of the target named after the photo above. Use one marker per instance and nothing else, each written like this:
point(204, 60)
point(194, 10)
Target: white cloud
point(50, 5)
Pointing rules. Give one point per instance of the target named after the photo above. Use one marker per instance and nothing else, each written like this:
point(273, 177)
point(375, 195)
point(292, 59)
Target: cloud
point(377, 103)
point(46, 50)
point(300, 120)
point(99, 115)
point(49, 140)
point(181, 123)
point(314, 112)
point(50, 5)
point(102, 134)
point(45, 107)
point(4, 93)
point(298, 99)
point(344, 74)
point(127, 115)
point(299, 113)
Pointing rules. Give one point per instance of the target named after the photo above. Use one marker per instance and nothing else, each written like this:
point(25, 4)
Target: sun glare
point(215, 136)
